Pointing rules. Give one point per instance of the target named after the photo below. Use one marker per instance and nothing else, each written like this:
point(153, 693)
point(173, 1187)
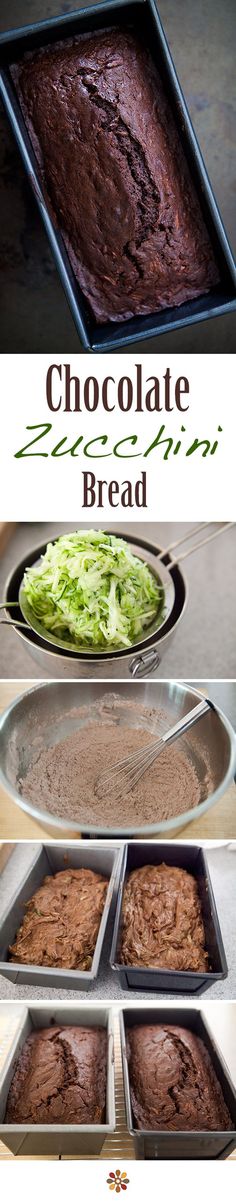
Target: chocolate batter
point(162, 924)
point(173, 1083)
point(63, 778)
point(62, 921)
point(60, 1077)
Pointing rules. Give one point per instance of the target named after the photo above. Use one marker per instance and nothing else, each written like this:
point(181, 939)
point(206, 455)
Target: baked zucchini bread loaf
point(115, 175)
point(60, 1077)
point(173, 1084)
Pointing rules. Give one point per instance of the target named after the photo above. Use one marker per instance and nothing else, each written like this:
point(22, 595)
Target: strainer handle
point(5, 604)
point(7, 622)
point(202, 543)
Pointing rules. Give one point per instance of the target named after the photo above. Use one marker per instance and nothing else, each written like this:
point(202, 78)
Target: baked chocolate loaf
point(62, 921)
point(173, 1083)
point(162, 924)
point(115, 174)
point(60, 1077)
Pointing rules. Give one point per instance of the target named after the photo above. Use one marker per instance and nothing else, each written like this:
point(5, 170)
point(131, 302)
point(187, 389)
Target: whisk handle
point(187, 721)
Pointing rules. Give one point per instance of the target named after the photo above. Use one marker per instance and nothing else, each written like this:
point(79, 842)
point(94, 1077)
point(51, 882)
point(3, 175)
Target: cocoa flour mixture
point(63, 777)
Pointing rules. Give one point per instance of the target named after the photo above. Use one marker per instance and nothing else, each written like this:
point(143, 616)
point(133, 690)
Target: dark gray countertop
point(221, 862)
point(35, 315)
point(205, 642)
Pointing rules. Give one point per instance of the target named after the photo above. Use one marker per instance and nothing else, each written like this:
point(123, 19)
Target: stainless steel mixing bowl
point(47, 713)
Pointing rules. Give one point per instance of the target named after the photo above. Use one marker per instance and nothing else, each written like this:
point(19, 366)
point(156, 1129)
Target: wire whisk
point(121, 778)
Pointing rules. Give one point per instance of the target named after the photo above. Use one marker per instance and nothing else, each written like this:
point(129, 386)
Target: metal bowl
point(50, 709)
point(132, 662)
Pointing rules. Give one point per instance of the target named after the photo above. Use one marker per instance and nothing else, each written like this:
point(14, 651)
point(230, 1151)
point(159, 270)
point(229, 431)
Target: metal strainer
point(163, 575)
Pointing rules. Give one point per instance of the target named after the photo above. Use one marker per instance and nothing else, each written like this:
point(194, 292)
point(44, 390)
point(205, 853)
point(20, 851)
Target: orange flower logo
point(117, 1181)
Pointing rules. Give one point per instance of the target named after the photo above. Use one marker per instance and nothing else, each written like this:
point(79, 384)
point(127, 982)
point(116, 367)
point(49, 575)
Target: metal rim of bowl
point(44, 817)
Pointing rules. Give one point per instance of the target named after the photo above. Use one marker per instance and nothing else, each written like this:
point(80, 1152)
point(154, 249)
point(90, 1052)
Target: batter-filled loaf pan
point(57, 1086)
point(166, 932)
point(101, 123)
point(53, 932)
point(180, 1100)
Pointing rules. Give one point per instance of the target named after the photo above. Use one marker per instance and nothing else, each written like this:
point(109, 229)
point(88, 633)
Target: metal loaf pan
point(144, 16)
point(38, 1140)
point(186, 1145)
point(192, 859)
point(50, 858)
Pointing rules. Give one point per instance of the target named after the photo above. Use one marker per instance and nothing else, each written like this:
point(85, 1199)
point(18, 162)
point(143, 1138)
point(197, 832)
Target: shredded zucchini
point(90, 587)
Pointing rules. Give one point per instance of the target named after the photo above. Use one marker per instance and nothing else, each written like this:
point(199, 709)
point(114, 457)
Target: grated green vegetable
point(91, 587)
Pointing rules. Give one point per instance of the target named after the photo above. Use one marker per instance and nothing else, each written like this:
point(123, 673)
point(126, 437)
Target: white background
point(179, 489)
point(163, 1181)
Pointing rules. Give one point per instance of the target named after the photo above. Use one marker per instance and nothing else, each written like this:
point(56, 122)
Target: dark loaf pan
point(50, 858)
point(186, 1145)
point(191, 858)
point(144, 15)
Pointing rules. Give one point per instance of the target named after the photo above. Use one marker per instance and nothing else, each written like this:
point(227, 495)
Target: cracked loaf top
point(115, 174)
point(162, 925)
point(61, 925)
point(173, 1083)
point(60, 1077)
